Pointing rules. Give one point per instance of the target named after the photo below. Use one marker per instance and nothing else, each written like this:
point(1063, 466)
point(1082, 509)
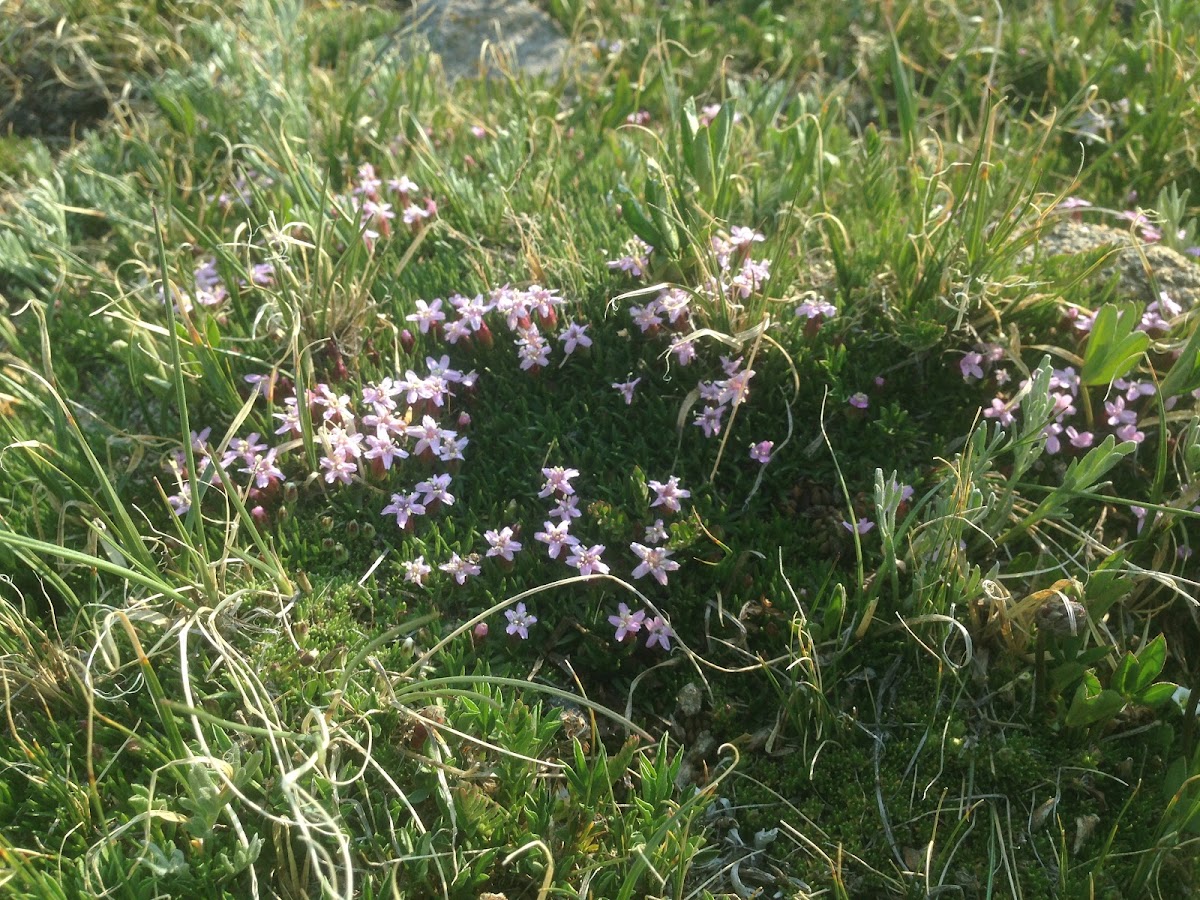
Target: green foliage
point(251, 696)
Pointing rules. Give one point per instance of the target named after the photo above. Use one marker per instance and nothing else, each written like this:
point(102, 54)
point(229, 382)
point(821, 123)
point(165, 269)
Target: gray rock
point(477, 37)
point(1176, 274)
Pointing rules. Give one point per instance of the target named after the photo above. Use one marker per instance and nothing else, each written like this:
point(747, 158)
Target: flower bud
point(484, 335)
point(407, 341)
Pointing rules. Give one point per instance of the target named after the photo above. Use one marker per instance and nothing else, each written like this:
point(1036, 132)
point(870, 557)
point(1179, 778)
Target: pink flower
point(404, 507)
point(654, 561)
point(1079, 439)
point(1131, 433)
point(659, 633)
point(587, 559)
point(566, 508)
point(502, 543)
point(558, 480)
point(428, 315)
point(519, 620)
point(970, 365)
point(574, 335)
point(859, 400)
point(656, 533)
point(461, 568)
point(761, 452)
point(1000, 411)
point(668, 494)
point(626, 622)
point(709, 421)
point(555, 537)
point(263, 469)
point(435, 489)
point(626, 388)
point(683, 350)
point(415, 571)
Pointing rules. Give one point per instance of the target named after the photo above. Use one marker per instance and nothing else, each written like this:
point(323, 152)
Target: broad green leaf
point(1127, 671)
point(1089, 710)
point(1115, 345)
point(1185, 374)
point(1158, 693)
point(1150, 664)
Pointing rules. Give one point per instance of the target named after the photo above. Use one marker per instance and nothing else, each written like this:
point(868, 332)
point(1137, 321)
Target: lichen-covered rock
point(459, 30)
point(1132, 261)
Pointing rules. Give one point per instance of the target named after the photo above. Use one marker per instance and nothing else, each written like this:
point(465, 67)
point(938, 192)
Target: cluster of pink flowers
point(1119, 414)
point(248, 456)
point(358, 441)
point(719, 396)
point(527, 313)
point(671, 313)
point(636, 260)
point(628, 623)
point(368, 198)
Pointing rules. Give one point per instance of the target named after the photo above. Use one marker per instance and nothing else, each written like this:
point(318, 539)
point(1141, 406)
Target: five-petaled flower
point(626, 622)
point(659, 632)
point(404, 507)
point(502, 543)
point(761, 452)
point(415, 571)
point(654, 561)
point(971, 365)
point(626, 389)
point(862, 526)
point(460, 567)
point(668, 494)
point(558, 479)
point(519, 620)
point(555, 537)
point(587, 559)
point(574, 335)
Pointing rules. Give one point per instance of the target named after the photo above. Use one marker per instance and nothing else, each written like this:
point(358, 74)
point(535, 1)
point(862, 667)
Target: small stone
point(690, 698)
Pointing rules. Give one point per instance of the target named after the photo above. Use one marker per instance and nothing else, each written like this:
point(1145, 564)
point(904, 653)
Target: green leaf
point(1121, 677)
point(1115, 345)
point(1083, 474)
point(1150, 663)
point(1087, 710)
point(1157, 694)
point(637, 218)
point(1185, 374)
